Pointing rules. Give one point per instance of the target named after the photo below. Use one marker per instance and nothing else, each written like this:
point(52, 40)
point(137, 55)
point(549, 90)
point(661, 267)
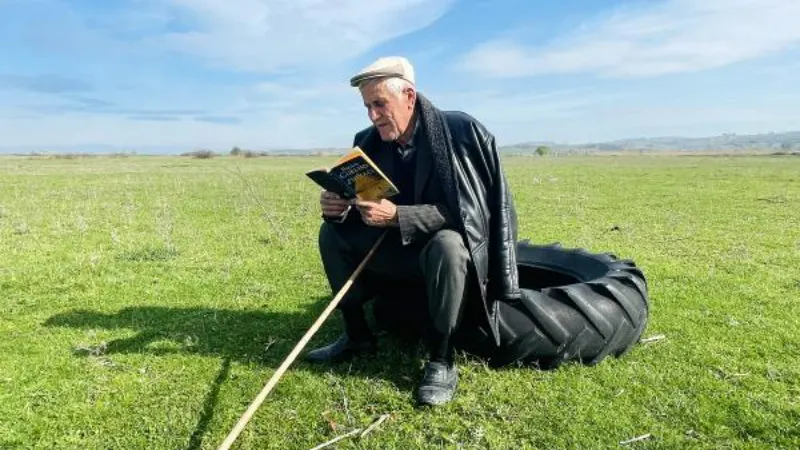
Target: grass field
point(144, 302)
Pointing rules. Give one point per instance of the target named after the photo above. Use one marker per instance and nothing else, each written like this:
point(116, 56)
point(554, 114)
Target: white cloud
point(266, 115)
point(257, 131)
point(593, 114)
point(308, 94)
point(609, 123)
point(671, 36)
point(570, 115)
point(281, 35)
point(311, 45)
point(517, 107)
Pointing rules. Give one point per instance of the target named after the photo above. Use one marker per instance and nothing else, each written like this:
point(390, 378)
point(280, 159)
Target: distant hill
point(789, 141)
point(768, 141)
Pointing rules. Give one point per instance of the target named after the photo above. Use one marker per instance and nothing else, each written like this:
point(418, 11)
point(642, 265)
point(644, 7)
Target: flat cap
point(385, 67)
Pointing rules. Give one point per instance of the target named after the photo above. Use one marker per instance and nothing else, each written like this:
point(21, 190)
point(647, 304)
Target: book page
point(361, 176)
point(355, 153)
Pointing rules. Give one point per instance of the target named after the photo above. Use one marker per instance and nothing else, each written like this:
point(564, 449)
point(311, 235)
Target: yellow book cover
point(355, 175)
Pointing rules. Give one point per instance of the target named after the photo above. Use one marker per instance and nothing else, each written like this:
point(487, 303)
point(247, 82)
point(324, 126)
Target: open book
point(355, 175)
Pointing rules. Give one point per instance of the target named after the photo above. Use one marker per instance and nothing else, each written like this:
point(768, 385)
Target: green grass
point(145, 301)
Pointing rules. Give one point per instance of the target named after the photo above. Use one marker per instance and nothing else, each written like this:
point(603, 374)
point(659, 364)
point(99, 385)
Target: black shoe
point(342, 349)
point(438, 384)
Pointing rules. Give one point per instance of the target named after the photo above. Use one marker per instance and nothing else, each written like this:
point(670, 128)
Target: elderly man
point(453, 224)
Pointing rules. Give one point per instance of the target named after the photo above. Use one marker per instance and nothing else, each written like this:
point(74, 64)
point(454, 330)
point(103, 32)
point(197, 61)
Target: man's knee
point(329, 240)
point(445, 247)
point(326, 234)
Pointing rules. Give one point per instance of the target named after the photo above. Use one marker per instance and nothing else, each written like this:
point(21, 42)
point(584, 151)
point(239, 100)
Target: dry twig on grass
point(345, 403)
point(375, 424)
point(653, 339)
point(269, 344)
point(368, 430)
point(337, 439)
point(637, 439)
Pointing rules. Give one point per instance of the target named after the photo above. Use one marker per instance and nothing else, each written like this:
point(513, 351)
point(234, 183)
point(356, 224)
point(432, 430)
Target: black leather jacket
point(468, 165)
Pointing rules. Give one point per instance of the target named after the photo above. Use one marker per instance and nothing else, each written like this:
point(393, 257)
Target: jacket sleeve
point(418, 221)
point(503, 271)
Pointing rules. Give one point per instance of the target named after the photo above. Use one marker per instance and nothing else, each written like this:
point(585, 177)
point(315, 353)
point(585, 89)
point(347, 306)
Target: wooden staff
point(297, 348)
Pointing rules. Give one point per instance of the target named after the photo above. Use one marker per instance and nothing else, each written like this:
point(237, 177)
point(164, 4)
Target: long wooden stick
point(297, 348)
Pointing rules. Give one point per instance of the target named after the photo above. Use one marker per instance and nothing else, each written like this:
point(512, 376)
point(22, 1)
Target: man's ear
point(412, 97)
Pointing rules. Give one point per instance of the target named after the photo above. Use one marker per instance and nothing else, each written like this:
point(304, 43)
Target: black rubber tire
point(576, 306)
point(582, 307)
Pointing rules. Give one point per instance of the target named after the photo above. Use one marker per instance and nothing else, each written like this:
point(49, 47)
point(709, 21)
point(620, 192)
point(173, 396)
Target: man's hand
point(378, 214)
point(332, 204)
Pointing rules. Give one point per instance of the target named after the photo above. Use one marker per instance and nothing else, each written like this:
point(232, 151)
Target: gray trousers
point(442, 262)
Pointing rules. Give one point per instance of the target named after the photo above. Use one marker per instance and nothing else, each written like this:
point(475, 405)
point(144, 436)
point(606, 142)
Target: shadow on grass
point(239, 335)
point(196, 440)
point(246, 336)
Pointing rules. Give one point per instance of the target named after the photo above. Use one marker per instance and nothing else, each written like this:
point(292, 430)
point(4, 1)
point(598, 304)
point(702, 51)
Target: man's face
point(388, 111)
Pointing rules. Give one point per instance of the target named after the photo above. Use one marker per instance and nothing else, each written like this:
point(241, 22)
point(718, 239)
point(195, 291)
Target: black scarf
point(437, 136)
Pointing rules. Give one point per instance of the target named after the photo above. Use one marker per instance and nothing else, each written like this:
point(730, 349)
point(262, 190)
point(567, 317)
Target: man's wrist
point(338, 218)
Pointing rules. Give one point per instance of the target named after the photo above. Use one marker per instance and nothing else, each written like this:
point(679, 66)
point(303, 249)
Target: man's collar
point(410, 139)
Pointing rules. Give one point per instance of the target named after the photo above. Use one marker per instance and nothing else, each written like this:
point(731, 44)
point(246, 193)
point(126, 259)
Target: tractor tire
point(575, 306)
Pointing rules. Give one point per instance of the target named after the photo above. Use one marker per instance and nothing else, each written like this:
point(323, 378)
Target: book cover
point(355, 175)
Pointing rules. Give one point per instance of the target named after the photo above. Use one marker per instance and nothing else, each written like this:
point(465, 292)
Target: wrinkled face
point(390, 112)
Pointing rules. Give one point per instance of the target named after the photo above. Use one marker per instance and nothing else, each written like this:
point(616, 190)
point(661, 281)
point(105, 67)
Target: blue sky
point(274, 73)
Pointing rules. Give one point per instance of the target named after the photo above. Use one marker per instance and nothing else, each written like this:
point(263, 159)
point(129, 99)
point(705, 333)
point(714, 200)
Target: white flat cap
point(385, 67)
